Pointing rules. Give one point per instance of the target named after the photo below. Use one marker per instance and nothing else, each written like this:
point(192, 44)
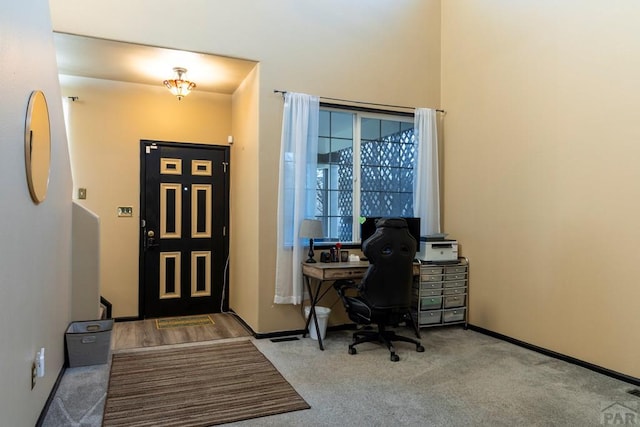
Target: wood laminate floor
point(144, 333)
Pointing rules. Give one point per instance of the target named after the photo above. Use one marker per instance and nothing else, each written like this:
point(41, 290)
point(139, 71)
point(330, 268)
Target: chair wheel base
point(420, 349)
point(352, 350)
point(394, 357)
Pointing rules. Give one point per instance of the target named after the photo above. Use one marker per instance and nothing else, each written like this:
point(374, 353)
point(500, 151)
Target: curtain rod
point(358, 102)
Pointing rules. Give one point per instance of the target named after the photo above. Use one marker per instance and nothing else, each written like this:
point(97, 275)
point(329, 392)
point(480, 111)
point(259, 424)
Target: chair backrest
point(391, 251)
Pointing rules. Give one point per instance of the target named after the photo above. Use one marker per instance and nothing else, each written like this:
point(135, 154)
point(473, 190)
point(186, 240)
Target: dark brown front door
point(184, 241)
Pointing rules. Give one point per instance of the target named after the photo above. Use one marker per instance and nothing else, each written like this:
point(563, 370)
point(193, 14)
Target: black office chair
point(384, 294)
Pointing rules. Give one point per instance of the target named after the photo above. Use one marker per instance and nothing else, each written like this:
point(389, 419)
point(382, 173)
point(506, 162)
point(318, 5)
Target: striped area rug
point(193, 386)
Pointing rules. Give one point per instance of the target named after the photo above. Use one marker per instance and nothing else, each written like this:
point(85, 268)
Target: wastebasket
point(323, 316)
point(88, 343)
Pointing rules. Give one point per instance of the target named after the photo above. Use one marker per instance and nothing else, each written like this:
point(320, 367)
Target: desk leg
point(307, 282)
point(312, 311)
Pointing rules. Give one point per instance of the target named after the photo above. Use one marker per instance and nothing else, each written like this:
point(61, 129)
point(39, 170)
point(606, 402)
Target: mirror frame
point(37, 146)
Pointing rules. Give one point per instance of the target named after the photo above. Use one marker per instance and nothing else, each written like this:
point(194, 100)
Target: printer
point(436, 249)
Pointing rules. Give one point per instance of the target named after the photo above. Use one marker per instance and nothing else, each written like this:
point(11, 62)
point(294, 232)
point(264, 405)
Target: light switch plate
point(125, 211)
point(82, 193)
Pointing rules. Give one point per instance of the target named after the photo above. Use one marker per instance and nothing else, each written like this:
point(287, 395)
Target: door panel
point(184, 244)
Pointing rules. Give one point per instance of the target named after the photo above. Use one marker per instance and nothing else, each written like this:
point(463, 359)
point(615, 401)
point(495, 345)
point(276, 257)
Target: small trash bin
point(323, 316)
point(88, 343)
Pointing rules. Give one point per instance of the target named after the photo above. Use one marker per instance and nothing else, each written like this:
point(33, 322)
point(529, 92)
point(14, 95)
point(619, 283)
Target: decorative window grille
point(383, 169)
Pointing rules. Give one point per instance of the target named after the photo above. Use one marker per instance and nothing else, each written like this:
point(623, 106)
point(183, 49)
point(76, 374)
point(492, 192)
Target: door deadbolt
point(150, 233)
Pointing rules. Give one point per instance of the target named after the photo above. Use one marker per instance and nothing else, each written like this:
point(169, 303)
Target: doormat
point(178, 322)
point(196, 386)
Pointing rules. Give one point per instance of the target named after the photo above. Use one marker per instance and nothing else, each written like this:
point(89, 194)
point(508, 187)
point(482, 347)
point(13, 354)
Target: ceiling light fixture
point(179, 86)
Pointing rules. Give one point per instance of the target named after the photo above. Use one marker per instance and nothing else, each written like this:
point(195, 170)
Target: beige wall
point(542, 177)
point(355, 50)
point(244, 251)
point(35, 240)
point(85, 264)
point(106, 125)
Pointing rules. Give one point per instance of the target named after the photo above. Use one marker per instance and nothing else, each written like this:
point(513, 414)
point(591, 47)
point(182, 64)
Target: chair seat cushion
point(360, 312)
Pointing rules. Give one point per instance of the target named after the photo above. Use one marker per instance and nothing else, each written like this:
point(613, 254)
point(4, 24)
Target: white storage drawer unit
point(440, 297)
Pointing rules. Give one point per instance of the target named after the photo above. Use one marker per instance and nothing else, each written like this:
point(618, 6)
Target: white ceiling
point(113, 60)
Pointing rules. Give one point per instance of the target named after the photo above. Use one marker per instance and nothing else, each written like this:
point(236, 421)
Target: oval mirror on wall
point(37, 145)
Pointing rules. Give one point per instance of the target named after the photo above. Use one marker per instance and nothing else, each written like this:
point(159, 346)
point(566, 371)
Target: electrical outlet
point(33, 375)
point(82, 193)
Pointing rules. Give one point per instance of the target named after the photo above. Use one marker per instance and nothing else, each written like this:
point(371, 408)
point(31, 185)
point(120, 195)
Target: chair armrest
point(342, 285)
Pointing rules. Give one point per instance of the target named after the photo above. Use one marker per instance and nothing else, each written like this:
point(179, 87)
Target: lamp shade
point(311, 228)
point(179, 86)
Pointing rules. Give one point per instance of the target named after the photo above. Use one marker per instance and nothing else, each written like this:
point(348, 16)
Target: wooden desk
point(329, 272)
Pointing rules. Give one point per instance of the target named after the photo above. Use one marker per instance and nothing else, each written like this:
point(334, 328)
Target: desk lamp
point(311, 228)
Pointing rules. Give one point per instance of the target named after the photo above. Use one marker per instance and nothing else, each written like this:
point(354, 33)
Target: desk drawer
point(344, 273)
point(431, 277)
point(428, 292)
point(454, 291)
point(430, 303)
point(457, 276)
point(454, 301)
point(455, 269)
point(455, 315)
point(430, 270)
point(430, 285)
point(455, 284)
point(429, 317)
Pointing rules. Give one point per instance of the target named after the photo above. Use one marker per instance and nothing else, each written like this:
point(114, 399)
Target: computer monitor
point(368, 227)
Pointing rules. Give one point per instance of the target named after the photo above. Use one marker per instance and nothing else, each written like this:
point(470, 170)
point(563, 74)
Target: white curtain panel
point(296, 191)
point(426, 185)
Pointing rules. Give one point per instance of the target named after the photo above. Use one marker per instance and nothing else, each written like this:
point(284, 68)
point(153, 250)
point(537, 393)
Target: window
point(365, 168)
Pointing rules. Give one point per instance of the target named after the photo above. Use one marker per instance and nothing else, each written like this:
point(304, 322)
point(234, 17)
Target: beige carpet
point(198, 385)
